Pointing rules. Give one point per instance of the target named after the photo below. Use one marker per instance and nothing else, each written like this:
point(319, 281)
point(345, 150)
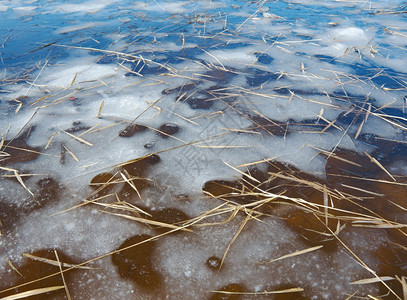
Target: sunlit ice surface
point(203, 149)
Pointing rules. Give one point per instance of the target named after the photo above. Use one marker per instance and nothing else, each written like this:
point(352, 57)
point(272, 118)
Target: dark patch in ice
point(32, 270)
point(360, 179)
point(9, 214)
point(310, 125)
point(219, 74)
point(169, 215)
point(62, 154)
point(343, 165)
point(289, 187)
point(229, 289)
point(264, 58)
point(18, 150)
point(256, 176)
point(139, 167)
point(293, 184)
point(176, 57)
point(397, 235)
point(76, 127)
point(240, 191)
point(228, 190)
point(354, 118)
point(76, 101)
point(167, 129)
point(107, 59)
point(142, 68)
point(381, 76)
point(266, 125)
point(289, 91)
point(258, 77)
point(392, 262)
point(304, 37)
point(132, 129)
point(135, 263)
point(103, 183)
point(203, 98)
point(149, 146)
point(387, 151)
point(195, 97)
point(397, 194)
point(15, 102)
point(313, 230)
point(48, 192)
point(181, 89)
point(199, 103)
point(393, 259)
point(137, 170)
point(214, 263)
point(348, 171)
point(393, 112)
point(326, 58)
point(231, 46)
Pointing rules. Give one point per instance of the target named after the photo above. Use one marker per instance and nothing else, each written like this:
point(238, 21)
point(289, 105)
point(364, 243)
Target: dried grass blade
point(33, 293)
point(28, 150)
point(78, 138)
point(381, 226)
point(131, 184)
point(373, 280)
point(218, 211)
point(363, 264)
point(74, 78)
point(295, 253)
point(54, 263)
point(40, 99)
point(82, 204)
point(374, 298)
point(222, 146)
point(359, 130)
point(50, 140)
point(127, 207)
point(240, 172)
point(150, 222)
point(68, 296)
point(374, 160)
point(20, 180)
point(184, 118)
point(362, 190)
point(71, 153)
point(248, 217)
point(100, 109)
point(329, 154)
point(211, 55)
point(330, 123)
point(325, 205)
point(403, 283)
point(292, 290)
point(20, 104)
point(14, 268)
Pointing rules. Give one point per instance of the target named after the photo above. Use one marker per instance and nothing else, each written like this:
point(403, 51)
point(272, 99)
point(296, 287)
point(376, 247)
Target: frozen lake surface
point(203, 149)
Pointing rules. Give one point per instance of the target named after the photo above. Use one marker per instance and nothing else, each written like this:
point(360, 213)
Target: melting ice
point(203, 149)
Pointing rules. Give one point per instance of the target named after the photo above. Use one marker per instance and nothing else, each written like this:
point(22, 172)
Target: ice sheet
point(295, 83)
